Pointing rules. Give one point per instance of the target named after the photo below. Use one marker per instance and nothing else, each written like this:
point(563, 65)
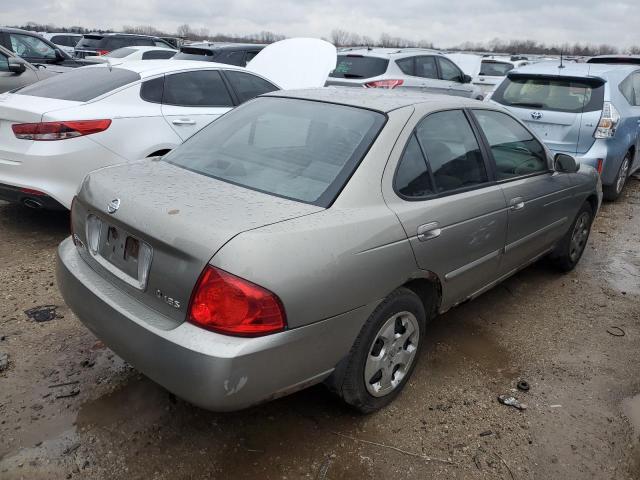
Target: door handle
point(429, 231)
point(516, 203)
point(184, 121)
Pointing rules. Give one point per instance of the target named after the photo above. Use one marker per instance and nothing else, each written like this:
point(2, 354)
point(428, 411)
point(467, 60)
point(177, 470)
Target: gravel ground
point(108, 421)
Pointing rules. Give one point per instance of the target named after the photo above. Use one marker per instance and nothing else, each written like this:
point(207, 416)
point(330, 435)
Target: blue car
point(589, 111)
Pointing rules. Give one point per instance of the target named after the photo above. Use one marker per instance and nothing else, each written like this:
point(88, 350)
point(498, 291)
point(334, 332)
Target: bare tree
point(340, 38)
point(184, 31)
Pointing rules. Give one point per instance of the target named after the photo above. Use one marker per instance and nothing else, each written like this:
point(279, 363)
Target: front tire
point(385, 353)
point(572, 246)
point(613, 191)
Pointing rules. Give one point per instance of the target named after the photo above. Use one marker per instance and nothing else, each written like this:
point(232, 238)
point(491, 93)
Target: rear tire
point(385, 353)
point(572, 246)
point(612, 192)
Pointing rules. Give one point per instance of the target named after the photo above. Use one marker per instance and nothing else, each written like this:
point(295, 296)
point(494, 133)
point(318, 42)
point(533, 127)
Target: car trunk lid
point(184, 222)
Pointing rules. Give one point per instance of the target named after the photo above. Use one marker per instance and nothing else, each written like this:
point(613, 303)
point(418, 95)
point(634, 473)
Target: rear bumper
point(13, 194)
point(54, 168)
point(213, 371)
point(611, 154)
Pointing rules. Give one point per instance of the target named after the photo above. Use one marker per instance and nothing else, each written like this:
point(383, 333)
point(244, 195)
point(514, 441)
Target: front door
point(452, 75)
point(540, 201)
point(454, 217)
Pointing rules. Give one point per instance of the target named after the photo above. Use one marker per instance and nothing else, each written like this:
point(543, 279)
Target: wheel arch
point(429, 289)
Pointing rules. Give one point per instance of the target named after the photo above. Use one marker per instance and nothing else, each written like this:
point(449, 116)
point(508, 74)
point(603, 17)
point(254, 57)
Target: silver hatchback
point(310, 236)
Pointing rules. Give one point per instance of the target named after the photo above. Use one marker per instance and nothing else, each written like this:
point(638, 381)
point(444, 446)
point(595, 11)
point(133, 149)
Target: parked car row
point(316, 229)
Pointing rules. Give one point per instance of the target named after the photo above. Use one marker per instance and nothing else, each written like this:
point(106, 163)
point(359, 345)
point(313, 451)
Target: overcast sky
point(444, 22)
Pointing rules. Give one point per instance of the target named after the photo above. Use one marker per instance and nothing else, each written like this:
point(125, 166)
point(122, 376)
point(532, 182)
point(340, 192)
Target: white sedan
point(127, 54)
point(54, 132)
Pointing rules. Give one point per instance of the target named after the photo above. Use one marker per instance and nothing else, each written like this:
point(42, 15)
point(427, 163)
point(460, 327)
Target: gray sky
point(444, 22)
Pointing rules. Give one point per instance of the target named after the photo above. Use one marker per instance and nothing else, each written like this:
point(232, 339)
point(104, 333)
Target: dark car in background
point(230, 53)
point(102, 43)
point(35, 49)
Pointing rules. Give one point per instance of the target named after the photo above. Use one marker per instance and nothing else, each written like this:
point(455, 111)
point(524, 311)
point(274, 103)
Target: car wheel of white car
point(385, 353)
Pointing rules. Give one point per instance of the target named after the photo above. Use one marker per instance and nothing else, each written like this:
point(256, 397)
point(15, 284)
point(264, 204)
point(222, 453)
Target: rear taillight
point(384, 84)
point(102, 52)
point(608, 121)
point(47, 131)
point(231, 305)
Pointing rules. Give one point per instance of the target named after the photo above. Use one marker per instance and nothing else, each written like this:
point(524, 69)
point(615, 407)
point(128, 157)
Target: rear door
point(562, 111)
point(453, 213)
point(192, 100)
point(422, 74)
point(540, 201)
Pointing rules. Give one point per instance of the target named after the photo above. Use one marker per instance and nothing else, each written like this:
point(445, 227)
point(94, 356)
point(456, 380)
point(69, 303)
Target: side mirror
point(465, 78)
point(16, 66)
point(565, 163)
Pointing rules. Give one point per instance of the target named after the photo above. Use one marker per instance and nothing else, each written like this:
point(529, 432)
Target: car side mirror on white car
point(565, 163)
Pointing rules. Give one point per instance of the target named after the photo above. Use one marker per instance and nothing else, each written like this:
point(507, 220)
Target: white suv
point(415, 68)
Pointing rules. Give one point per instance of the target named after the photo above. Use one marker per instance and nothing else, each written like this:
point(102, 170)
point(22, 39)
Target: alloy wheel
point(391, 354)
point(622, 176)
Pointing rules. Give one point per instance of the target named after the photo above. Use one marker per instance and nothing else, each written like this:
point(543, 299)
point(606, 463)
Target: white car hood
point(296, 63)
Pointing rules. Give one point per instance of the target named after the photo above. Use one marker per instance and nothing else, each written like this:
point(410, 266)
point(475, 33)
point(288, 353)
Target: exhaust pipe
point(32, 203)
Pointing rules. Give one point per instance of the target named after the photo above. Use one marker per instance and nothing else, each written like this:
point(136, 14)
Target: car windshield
point(81, 84)
point(553, 93)
point(357, 66)
point(298, 149)
point(121, 52)
point(495, 69)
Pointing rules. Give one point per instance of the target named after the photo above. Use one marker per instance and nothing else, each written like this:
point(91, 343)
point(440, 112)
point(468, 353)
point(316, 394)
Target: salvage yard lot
point(551, 330)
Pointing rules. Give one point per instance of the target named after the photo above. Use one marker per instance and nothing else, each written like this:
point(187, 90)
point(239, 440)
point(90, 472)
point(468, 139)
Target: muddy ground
point(582, 421)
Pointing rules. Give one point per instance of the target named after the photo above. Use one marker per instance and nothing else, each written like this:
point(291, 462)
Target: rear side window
point(556, 94)
point(297, 149)
point(452, 151)
point(515, 151)
point(81, 84)
point(89, 42)
point(196, 89)
point(158, 54)
point(412, 176)
point(406, 65)
point(495, 69)
point(357, 66)
point(248, 86)
point(426, 67)
point(152, 90)
point(630, 88)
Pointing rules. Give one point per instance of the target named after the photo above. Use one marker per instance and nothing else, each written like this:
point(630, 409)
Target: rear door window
point(81, 84)
point(426, 67)
point(358, 66)
point(452, 151)
point(556, 94)
point(515, 150)
point(448, 70)
point(248, 86)
point(495, 69)
point(196, 89)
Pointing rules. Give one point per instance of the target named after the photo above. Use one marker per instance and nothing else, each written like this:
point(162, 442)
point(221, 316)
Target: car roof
point(149, 68)
point(382, 52)
point(378, 99)
point(145, 48)
point(116, 34)
point(573, 69)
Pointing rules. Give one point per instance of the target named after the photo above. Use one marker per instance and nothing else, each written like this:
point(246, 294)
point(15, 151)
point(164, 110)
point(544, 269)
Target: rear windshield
point(357, 66)
point(193, 53)
point(120, 53)
point(297, 149)
point(552, 93)
point(82, 84)
point(89, 42)
point(495, 69)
